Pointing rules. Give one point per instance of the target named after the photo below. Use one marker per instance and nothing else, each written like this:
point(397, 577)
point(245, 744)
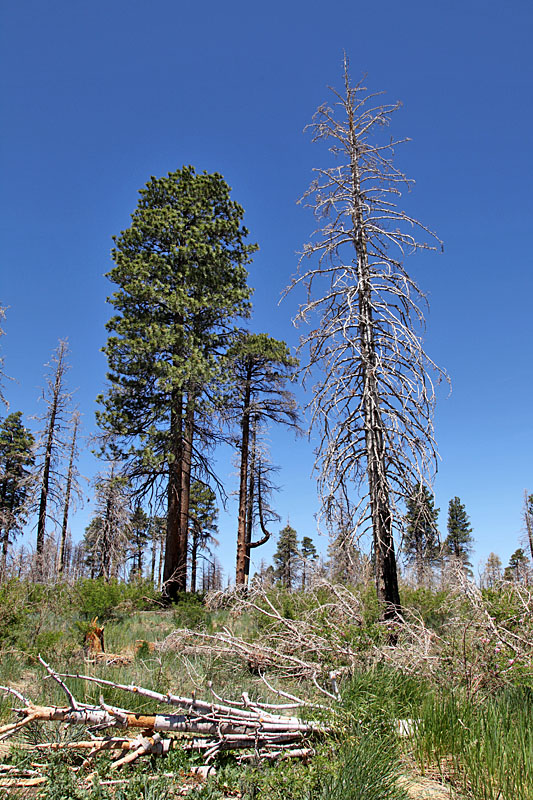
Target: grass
point(484, 746)
point(481, 743)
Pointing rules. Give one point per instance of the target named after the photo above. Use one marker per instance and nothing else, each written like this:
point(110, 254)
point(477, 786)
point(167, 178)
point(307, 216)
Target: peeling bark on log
point(204, 726)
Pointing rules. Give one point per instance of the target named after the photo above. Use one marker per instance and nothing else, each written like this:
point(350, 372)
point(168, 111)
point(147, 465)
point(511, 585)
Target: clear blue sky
point(97, 97)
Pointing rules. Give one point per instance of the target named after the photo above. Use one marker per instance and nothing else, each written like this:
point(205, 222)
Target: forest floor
point(459, 711)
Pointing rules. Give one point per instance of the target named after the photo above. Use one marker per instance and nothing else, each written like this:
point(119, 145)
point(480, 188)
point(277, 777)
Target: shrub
point(190, 612)
point(111, 599)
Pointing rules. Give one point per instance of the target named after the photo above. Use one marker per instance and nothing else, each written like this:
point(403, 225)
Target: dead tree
point(52, 445)
point(3, 400)
point(106, 537)
point(259, 510)
point(528, 519)
point(261, 367)
point(72, 489)
point(260, 731)
point(374, 406)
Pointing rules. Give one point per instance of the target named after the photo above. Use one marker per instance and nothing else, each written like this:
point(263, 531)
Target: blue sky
point(97, 97)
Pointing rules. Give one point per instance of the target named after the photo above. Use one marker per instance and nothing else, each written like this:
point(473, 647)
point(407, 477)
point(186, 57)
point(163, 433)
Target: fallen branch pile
point(482, 641)
point(314, 644)
point(256, 730)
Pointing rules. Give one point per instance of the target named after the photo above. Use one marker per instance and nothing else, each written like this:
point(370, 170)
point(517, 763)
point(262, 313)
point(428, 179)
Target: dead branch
point(317, 646)
point(204, 726)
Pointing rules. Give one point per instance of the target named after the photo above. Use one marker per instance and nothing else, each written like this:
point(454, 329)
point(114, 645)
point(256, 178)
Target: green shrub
point(431, 605)
point(13, 611)
point(111, 599)
point(190, 612)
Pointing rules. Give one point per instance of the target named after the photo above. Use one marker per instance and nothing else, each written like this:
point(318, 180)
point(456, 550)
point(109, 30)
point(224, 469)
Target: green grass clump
point(483, 745)
point(365, 768)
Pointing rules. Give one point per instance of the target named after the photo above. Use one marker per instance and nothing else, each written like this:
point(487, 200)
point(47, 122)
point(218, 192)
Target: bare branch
point(375, 404)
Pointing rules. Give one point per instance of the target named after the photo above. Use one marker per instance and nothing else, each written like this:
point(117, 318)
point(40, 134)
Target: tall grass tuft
point(485, 747)
point(367, 770)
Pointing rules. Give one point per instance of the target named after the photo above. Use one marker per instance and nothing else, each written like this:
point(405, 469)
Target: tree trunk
point(172, 544)
point(194, 555)
point(152, 565)
point(250, 505)
point(240, 571)
point(105, 569)
point(385, 559)
point(4, 528)
point(161, 563)
point(64, 525)
point(186, 462)
point(41, 522)
point(3, 563)
point(420, 562)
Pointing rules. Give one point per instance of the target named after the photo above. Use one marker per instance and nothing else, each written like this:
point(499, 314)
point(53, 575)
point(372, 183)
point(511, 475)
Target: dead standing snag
point(374, 407)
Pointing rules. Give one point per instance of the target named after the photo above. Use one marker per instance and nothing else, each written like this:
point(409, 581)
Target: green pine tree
point(421, 537)
point(286, 557)
point(181, 278)
point(518, 567)
point(203, 514)
point(459, 542)
point(260, 367)
point(308, 555)
point(16, 461)
point(139, 534)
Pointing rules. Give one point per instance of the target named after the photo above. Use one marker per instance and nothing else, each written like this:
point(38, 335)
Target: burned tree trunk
point(374, 406)
point(173, 542)
point(57, 400)
point(378, 485)
point(243, 555)
point(71, 484)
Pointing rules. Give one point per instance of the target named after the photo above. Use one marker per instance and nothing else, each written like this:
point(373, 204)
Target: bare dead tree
point(528, 519)
point(374, 406)
point(261, 367)
point(106, 537)
point(52, 445)
point(72, 490)
point(259, 510)
point(3, 400)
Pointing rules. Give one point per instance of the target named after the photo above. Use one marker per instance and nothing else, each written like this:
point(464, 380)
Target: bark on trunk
point(240, 571)
point(181, 576)
point(5, 529)
point(194, 556)
point(172, 543)
point(250, 505)
point(152, 564)
point(105, 569)
point(64, 525)
point(3, 564)
point(385, 559)
point(41, 522)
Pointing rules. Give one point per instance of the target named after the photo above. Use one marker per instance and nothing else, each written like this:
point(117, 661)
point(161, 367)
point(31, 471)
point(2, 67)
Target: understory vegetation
point(446, 695)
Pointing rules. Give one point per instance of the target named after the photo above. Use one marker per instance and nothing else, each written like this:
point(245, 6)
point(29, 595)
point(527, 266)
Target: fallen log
point(204, 726)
